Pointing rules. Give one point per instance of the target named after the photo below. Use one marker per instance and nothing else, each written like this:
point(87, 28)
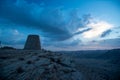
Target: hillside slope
point(36, 65)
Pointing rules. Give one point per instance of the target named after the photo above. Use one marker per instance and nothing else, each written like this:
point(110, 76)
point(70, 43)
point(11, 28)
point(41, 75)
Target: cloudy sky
point(61, 24)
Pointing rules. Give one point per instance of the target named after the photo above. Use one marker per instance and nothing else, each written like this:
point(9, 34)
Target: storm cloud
point(106, 33)
point(59, 23)
point(50, 21)
point(23, 16)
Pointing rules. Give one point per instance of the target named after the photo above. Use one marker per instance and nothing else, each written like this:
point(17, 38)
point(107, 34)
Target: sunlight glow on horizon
point(97, 29)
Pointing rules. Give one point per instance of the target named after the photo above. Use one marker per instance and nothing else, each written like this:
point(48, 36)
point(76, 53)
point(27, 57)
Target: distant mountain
point(98, 54)
point(84, 54)
point(115, 53)
point(112, 55)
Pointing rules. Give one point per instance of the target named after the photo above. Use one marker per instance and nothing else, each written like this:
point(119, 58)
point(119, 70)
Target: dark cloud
point(22, 16)
point(82, 31)
point(53, 23)
point(11, 37)
point(50, 21)
point(75, 21)
point(106, 33)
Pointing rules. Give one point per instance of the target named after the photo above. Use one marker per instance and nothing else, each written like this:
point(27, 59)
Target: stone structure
point(32, 43)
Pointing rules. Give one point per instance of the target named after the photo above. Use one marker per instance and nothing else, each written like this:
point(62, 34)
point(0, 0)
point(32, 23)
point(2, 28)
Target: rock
point(43, 62)
point(40, 66)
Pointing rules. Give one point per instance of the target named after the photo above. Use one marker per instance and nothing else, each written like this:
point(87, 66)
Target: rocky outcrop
point(38, 65)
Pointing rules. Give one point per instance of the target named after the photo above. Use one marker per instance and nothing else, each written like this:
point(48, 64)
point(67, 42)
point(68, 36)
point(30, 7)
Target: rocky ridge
point(37, 65)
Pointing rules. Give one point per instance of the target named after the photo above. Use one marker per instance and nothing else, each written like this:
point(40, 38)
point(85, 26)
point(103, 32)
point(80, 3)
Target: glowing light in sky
point(97, 29)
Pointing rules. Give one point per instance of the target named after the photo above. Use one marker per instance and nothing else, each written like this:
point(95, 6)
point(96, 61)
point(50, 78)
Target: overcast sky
point(61, 24)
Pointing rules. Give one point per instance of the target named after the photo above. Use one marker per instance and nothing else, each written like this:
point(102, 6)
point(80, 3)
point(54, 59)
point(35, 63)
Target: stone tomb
point(32, 43)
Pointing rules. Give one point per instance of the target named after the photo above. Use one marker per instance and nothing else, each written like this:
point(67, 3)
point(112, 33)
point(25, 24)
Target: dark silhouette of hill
point(7, 48)
point(115, 53)
point(99, 63)
point(98, 54)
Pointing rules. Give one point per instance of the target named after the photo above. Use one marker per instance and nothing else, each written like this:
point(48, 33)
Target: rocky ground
point(97, 64)
point(36, 65)
point(47, 65)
